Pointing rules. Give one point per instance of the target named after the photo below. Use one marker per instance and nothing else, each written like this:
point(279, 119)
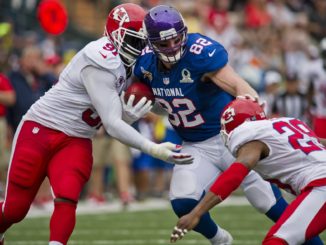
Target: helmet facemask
point(170, 54)
point(129, 44)
point(124, 29)
point(164, 24)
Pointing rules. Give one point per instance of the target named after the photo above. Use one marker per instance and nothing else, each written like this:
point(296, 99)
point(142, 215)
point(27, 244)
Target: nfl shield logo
point(166, 80)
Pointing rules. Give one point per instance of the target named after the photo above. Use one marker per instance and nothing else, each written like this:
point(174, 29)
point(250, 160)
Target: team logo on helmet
point(228, 115)
point(121, 15)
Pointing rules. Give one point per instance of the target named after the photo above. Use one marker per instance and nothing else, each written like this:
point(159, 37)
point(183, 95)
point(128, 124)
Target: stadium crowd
point(275, 45)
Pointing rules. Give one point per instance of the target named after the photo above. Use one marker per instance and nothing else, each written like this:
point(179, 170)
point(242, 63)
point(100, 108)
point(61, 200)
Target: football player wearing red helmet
point(284, 151)
point(124, 29)
point(237, 112)
point(54, 137)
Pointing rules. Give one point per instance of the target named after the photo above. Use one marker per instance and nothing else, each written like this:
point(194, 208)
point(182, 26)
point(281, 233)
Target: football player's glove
point(169, 152)
point(133, 113)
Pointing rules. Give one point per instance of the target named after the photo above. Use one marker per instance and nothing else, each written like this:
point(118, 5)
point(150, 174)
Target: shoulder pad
point(207, 54)
point(103, 54)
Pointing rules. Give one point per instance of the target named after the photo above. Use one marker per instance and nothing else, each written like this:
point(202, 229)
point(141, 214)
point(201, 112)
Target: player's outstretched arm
point(247, 157)
point(190, 220)
point(227, 79)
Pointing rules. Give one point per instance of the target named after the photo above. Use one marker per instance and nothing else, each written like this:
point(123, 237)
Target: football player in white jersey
point(53, 139)
point(284, 151)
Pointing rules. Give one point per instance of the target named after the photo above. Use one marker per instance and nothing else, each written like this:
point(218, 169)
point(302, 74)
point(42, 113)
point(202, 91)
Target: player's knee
point(64, 200)
point(259, 193)
point(184, 185)
point(69, 188)
point(261, 200)
point(275, 212)
point(183, 206)
point(14, 212)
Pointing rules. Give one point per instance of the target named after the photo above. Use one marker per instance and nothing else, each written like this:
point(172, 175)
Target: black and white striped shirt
point(290, 105)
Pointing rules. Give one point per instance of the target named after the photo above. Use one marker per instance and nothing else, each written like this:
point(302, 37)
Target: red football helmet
point(124, 29)
point(237, 112)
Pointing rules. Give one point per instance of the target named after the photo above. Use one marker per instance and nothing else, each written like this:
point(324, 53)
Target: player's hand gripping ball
point(139, 90)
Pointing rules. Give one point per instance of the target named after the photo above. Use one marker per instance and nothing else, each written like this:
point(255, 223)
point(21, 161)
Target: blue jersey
point(194, 105)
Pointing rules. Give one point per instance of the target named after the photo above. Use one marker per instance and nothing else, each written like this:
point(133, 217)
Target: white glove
point(166, 152)
point(262, 103)
point(133, 113)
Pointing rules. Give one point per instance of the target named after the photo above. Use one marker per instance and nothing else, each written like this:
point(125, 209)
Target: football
point(140, 90)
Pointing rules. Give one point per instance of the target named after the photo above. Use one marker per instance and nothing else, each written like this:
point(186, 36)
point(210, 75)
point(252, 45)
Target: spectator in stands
point(108, 151)
point(281, 15)
point(272, 80)
point(295, 40)
point(7, 98)
point(121, 161)
point(162, 172)
point(30, 82)
point(256, 14)
point(319, 94)
point(95, 187)
point(291, 103)
point(317, 20)
point(222, 27)
point(142, 162)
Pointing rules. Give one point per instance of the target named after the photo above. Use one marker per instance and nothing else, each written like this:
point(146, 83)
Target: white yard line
point(115, 206)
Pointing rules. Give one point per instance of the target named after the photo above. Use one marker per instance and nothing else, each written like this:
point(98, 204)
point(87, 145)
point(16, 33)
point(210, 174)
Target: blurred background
point(275, 45)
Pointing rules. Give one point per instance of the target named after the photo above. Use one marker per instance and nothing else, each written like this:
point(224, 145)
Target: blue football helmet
point(163, 23)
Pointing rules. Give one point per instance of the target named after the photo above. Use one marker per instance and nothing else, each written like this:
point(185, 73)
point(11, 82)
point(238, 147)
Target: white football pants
point(212, 158)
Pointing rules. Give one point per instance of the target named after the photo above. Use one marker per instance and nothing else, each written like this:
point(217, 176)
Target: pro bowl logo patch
point(186, 76)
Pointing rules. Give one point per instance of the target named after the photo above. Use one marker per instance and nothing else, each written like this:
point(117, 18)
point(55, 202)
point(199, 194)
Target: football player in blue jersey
point(192, 82)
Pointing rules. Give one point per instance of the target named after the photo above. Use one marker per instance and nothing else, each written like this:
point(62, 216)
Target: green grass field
point(143, 228)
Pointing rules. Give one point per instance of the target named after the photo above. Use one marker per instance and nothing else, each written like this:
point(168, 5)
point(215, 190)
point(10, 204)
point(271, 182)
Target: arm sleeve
point(229, 180)
point(100, 85)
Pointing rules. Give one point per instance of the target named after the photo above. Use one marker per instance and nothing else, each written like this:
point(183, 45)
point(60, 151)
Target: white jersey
point(295, 158)
point(67, 106)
